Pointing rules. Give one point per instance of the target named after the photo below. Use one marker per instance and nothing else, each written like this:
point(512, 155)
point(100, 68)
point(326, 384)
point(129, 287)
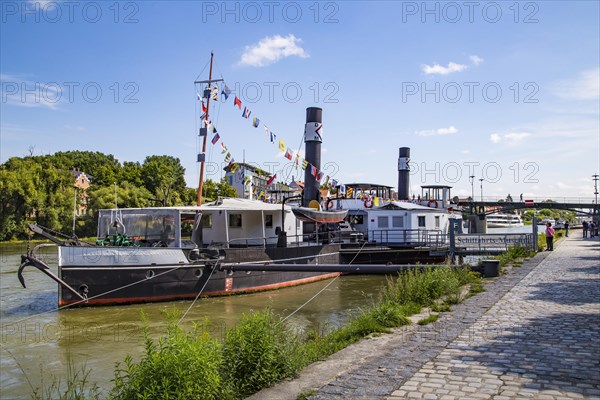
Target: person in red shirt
point(549, 237)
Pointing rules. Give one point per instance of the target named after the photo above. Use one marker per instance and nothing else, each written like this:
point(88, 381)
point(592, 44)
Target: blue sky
point(506, 91)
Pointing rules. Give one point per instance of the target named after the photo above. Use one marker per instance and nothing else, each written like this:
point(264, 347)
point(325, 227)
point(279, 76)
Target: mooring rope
point(198, 295)
point(321, 291)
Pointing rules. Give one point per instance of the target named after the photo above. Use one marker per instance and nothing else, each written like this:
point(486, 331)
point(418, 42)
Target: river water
point(37, 340)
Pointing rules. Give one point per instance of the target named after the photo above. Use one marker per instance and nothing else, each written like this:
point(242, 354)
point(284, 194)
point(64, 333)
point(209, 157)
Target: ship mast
point(207, 94)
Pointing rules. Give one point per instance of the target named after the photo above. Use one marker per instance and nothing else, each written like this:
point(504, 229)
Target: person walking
point(566, 228)
point(549, 237)
point(584, 228)
point(592, 229)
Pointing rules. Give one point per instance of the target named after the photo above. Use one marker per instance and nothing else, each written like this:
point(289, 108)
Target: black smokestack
point(403, 173)
point(313, 136)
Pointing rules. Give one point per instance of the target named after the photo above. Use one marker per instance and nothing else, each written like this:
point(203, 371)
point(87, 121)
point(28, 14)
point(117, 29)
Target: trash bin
point(491, 268)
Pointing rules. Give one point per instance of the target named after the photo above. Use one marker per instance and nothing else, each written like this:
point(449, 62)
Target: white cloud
point(476, 60)
point(466, 151)
point(585, 87)
point(511, 138)
point(21, 92)
point(441, 70)
point(271, 49)
point(43, 3)
point(438, 132)
point(437, 69)
point(77, 128)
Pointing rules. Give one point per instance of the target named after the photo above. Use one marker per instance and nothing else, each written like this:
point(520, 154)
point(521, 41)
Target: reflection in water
point(34, 336)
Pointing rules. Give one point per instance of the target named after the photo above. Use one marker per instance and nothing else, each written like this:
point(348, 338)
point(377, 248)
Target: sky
point(505, 92)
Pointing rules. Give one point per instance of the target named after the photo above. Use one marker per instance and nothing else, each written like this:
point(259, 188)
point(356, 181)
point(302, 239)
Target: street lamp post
point(481, 186)
point(595, 176)
point(472, 179)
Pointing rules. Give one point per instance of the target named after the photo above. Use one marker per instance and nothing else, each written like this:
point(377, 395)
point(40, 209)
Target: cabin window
point(421, 220)
point(268, 220)
point(206, 220)
point(235, 220)
point(397, 222)
point(437, 221)
point(382, 222)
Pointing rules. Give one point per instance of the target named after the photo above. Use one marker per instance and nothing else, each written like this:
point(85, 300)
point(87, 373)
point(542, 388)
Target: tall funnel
point(403, 173)
point(313, 136)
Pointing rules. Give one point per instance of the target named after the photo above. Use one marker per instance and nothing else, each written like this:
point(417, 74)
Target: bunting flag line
point(203, 117)
point(334, 183)
point(204, 109)
point(234, 168)
point(215, 94)
point(198, 96)
point(288, 153)
point(215, 138)
point(271, 179)
point(226, 92)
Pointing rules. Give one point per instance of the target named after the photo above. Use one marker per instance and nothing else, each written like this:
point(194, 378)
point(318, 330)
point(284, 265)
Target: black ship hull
point(138, 282)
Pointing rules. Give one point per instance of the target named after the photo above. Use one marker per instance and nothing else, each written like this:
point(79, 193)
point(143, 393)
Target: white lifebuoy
point(368, 203)
point(434, 202)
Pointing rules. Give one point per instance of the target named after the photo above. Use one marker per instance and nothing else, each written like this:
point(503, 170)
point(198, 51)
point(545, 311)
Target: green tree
point(164, 177)
point(211, 190)
point(128, 196)
point(132, 173)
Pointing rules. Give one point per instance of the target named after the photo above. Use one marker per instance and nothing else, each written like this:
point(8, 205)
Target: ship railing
point(413, 237)
point(316, 238)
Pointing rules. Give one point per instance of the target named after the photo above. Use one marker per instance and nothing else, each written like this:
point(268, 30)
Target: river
point(37, 340)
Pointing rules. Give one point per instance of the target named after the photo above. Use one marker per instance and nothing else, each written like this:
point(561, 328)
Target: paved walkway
point(541, 340)
point(535, 333)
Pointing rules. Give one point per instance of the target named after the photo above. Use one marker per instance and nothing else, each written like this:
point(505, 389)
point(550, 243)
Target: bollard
point(491, 268)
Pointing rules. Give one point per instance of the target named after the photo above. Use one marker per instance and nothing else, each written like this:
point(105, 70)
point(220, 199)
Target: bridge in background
point(580, 205)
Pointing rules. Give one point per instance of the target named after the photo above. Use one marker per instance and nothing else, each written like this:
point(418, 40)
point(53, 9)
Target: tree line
point(41, 189)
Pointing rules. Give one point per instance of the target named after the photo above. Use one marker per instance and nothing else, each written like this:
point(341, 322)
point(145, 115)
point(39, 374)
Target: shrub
point(260, 351)
point(179, 366)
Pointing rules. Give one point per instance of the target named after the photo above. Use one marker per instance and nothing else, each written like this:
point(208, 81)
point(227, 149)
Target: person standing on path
point(549, 237)
point(566, 228)
point(585, 228)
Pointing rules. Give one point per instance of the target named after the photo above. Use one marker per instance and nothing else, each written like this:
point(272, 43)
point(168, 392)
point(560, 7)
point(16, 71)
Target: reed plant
point(514, 254)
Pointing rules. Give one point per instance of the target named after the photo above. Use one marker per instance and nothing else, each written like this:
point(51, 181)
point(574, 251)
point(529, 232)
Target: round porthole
point(198, 273)
point(149, 274)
